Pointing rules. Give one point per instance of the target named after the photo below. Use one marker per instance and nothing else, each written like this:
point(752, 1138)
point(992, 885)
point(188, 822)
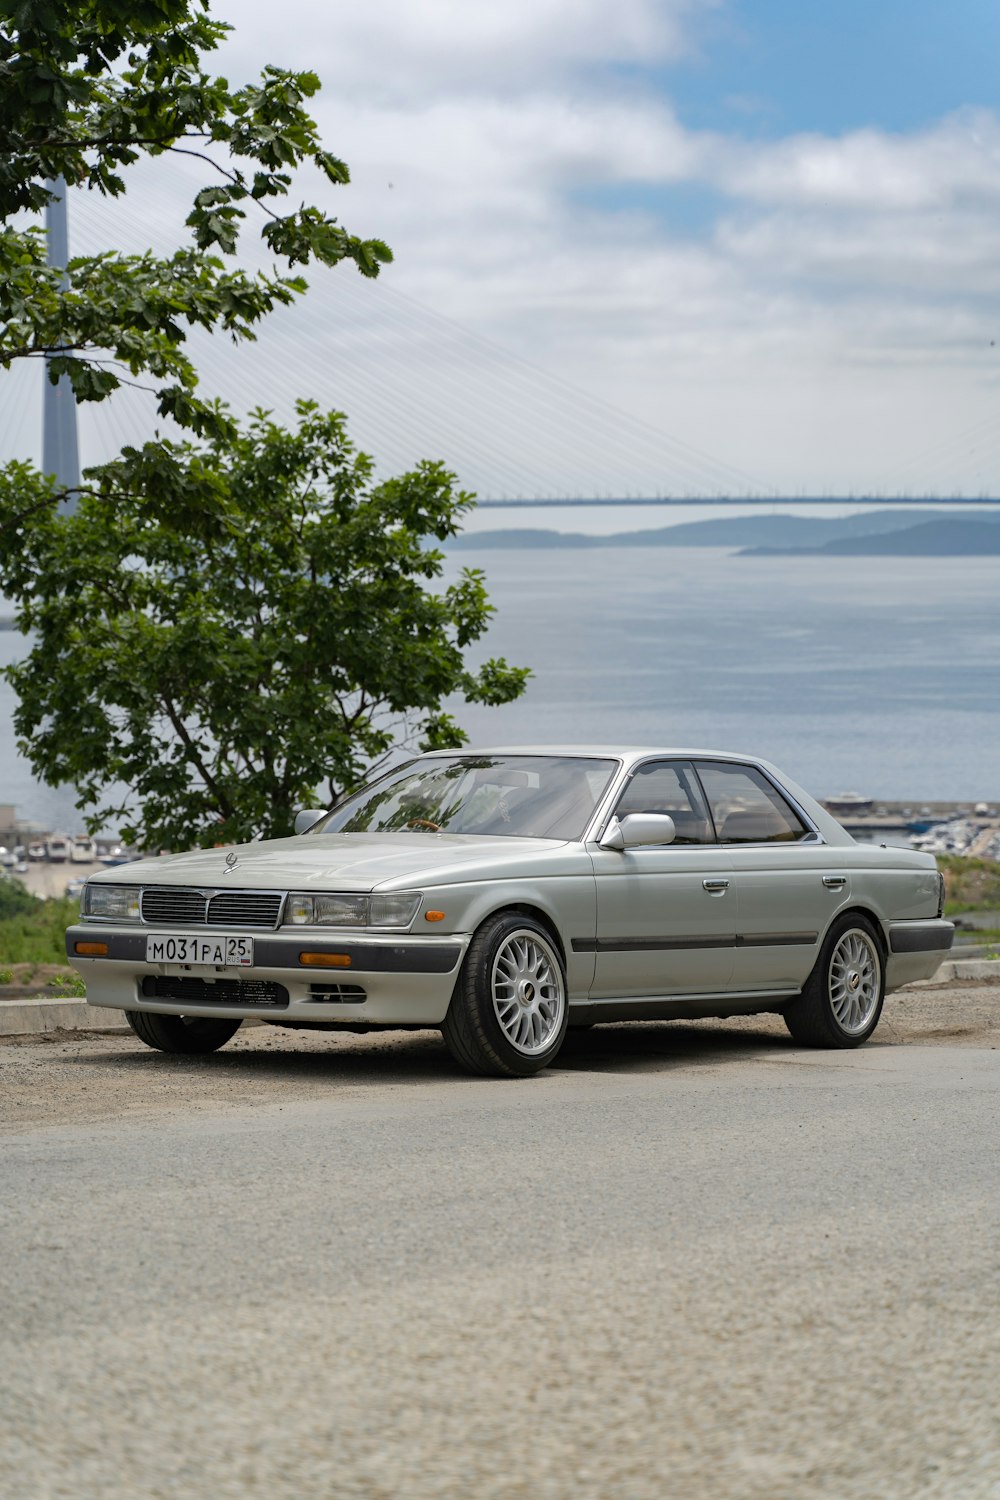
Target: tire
point(181, 1033)
point(842, 999)
point(508, 1015)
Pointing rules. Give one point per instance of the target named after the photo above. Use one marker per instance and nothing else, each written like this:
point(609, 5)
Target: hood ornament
point(231, 862)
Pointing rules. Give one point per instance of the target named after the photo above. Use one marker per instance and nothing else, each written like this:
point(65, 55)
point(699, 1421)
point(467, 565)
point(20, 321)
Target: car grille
point(169, 904)
point(338, 994)
point(262, 994)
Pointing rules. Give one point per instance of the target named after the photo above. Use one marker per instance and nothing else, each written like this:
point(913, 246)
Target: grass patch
point(38, 935)
point(970, 884)
point(15, 900)
point(68, 986)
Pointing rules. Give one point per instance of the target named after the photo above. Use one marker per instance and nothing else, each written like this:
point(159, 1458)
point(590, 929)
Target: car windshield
point(518, 796)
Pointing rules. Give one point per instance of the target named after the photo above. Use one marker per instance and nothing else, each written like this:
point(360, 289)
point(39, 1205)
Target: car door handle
point(834, 882)
point(717, 885)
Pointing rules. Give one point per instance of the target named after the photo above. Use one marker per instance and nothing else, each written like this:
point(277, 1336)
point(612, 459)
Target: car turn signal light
point(325, 960)
point(91, 950)
point(433, 916)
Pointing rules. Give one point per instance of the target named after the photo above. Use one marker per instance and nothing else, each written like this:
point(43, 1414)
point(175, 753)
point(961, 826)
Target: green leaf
point(234, 626)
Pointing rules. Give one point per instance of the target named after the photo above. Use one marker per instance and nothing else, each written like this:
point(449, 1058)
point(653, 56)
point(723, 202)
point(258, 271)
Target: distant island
point(877, 533)
point(604, 502)
point(930, 539)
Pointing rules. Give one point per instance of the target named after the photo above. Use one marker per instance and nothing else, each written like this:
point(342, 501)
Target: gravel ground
point(93, 1077)
point(691, 1261)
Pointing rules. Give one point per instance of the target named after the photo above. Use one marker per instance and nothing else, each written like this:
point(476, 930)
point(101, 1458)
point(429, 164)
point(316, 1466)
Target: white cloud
point(399, 49)
point(840, 299)
point(956, 161)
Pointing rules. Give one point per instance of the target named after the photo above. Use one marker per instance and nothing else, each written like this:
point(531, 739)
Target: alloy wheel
point(855, 981)
point(529, 996)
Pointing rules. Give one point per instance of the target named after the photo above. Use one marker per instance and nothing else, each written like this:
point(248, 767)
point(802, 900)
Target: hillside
point(768, 535)
point(939, 538)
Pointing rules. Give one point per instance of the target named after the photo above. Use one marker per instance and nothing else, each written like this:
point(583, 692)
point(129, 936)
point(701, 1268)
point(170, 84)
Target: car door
point(665, 914)
point(786, 885)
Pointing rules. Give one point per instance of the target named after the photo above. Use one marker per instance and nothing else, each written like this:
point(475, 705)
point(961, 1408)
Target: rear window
point(746, 808)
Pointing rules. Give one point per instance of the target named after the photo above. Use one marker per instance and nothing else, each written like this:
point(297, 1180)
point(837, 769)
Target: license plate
point(218, 952)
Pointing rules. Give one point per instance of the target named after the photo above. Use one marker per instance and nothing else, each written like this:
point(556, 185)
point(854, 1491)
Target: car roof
point(626, 752)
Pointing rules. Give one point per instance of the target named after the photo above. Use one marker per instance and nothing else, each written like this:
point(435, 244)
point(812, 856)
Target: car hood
point(336, 861)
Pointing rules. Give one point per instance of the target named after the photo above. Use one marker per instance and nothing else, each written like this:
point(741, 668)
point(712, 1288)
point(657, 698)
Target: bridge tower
point(60, 448)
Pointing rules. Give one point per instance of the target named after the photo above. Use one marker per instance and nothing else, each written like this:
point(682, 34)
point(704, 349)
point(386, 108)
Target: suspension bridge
point(414, 384)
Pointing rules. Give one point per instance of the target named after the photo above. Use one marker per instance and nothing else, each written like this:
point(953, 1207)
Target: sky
point(757, 237)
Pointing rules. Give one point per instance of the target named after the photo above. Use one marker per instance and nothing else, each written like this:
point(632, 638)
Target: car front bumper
point(403, 981)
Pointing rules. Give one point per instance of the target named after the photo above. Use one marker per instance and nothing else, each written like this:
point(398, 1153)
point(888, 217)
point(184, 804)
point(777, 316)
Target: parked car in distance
point(505, 895)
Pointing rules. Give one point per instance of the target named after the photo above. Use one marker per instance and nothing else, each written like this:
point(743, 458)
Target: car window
point(531, 796)
point(669, 786)
point(746, 808)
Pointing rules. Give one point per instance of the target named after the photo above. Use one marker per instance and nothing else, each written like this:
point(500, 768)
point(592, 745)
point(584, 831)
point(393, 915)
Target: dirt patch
point(37, 981)
point(92, 1077)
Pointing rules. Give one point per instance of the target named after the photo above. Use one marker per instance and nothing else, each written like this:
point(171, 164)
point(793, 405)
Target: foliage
point(15, 898)
point(255, 619)
point(67, 986)
point(87, 87)
point(971, 884)
point(230, 620)
point(37, 936)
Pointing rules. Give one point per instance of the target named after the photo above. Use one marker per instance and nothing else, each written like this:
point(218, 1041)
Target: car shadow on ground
point(657, 1045)
point(420, 1057)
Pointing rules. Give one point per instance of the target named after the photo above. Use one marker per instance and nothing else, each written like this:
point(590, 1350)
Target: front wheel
point(842, 999)
point(181, 1033)
point(508, 1014)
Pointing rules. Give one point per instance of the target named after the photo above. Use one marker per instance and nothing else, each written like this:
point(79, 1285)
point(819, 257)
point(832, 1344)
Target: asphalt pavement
point(687, 1262)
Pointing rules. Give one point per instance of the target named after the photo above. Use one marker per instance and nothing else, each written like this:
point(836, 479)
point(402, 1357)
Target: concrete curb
point(965, 968)
point(29, 1017)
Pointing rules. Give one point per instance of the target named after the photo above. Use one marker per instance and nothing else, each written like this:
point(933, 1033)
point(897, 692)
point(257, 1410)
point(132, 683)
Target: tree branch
point(194, 754)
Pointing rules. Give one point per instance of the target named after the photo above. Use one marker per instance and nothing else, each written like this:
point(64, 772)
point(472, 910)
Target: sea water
point(872, 674)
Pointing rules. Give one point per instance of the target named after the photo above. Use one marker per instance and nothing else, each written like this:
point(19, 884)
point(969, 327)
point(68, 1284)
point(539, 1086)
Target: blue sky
point(771, 67)
point(763, 70)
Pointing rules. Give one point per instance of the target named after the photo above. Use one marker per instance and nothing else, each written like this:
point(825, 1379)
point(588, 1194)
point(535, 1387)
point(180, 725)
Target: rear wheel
point(841, 1001)
point(181, 1033)
point(508, 1014)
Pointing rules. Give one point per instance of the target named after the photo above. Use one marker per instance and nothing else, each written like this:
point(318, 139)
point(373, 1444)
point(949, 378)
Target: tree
point(232, 619)
point(263, 625)
point(86, 88)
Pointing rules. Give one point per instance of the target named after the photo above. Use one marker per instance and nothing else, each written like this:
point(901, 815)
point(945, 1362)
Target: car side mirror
point(638, 829)
point(305, 819)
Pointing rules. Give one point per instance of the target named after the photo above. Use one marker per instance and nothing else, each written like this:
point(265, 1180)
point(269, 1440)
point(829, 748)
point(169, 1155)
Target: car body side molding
point(713, 940)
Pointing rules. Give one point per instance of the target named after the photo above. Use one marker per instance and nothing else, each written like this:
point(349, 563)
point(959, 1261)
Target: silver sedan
point(504, 895)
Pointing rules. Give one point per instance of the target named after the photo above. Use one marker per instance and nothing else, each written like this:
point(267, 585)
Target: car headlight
point(121, 901)
point(327, 910)
point(345, 909)
point(394, 911)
